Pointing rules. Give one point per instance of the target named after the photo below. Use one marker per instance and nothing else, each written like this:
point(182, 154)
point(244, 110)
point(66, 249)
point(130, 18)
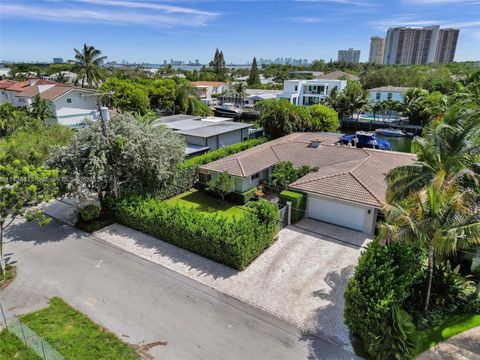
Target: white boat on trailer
point(391, 132)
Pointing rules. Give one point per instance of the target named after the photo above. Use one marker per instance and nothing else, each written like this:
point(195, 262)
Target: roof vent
point(315, 142)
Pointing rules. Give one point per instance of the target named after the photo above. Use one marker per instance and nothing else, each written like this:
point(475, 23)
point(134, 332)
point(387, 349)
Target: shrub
point(221, 153)
point(88, 212)
point(233, 242)
point(299, 203)
point(241, 197)
point(180, 180)
point(383, 279)
point(284, 173)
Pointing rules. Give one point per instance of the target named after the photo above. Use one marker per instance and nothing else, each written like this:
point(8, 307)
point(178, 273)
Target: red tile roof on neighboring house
point(7, 83)
point(18, 85)
point(345, 173)
point(29, 91)
point(208, 83)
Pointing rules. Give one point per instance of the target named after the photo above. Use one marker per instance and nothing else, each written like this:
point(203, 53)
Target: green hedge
point(299, 203)
point(181, 180)
point(241, 197)
point(221, 153)
point(235, 243)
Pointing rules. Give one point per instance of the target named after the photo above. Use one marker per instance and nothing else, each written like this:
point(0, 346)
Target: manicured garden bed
point(201, 201)
point(74, 335)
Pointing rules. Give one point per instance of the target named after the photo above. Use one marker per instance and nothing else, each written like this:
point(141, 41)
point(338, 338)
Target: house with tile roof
point(348, 189)
point(70, 105)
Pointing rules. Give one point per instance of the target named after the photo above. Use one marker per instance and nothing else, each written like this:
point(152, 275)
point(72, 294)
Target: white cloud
point(167, 16)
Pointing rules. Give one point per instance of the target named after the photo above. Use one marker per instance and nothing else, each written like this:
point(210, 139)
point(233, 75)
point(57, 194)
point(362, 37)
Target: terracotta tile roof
point(343, 172)
point(208, 83)
point(18, 85)
point(7, 83)
point(29, 91)
point(55, 92)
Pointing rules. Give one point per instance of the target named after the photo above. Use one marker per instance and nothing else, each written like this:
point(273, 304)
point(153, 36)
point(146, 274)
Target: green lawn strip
point(11, 347)
point(446, 329)
point(201, 201)
point(74, 335)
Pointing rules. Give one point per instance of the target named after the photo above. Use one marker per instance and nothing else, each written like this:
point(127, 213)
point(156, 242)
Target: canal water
point(402, 144)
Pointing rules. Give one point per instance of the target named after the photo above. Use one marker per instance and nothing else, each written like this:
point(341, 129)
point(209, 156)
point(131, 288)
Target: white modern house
point(383, 93)
point(310, 92)
point(70, 105)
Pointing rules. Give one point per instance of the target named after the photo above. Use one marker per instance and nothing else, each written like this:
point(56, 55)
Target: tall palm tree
point(40, 109)
point(238, 90)
point(60, 77)
point(185, 98)
point(441, 217)
point(88, 64)
point(452, 150)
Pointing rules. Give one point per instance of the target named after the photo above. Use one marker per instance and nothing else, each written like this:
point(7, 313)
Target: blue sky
point(154, 30)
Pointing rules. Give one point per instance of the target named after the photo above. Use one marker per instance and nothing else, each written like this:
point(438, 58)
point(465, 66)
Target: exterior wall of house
point(72, 108)
point(195, 140)
point(385, 95)
point(309, 92)
point(3, 96)
point(246, 183)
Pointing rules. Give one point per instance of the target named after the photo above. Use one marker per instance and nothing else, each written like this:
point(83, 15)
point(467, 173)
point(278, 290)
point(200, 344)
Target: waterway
point(402, 144)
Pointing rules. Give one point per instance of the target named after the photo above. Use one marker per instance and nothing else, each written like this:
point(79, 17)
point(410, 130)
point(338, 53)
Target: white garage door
point(335, 212)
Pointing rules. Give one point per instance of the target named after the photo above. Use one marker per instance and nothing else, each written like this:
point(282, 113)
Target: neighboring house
point(387, 93)
point(263, 79)
point(338, 75)
point(70, 105)
point(205, 89)
point(4, 71)
point(205, 134)
point(252, 96)
point(310, 92)
point(348, 189)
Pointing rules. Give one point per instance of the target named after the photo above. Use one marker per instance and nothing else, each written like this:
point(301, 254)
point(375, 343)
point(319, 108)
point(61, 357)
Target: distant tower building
point(197, 62)
point(377, 47)
point(349, 56)
point(57, 60)
point(420, 45)
point(446, 45)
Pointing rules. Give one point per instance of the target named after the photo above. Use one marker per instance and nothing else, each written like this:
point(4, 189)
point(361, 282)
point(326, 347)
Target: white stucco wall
point(74, 113)
point(384, 95)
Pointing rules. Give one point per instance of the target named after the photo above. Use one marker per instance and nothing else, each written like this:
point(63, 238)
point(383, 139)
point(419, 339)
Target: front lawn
point(452, 326)
point(74, 335)
point(11, 347)
point(200, 200)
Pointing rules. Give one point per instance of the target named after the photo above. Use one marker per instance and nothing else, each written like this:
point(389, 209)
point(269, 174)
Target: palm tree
point(451, 150)
point(40, 109)
point(60, 77)
point(442, 217)
point(185, 98)
point(238, 90)
point(89, 61)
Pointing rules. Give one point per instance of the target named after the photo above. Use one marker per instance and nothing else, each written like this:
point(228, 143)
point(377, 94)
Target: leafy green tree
point(238, 91)
point(280, 117)
point(284, 173)
point(218, 66)
point(353, 99)
point(107, 157)
point(323, 118)
point(254, 76)
point(128, 96)
point(222, 185)
point(21, 188)
point(441, 217)
point(88, 64)
point(40, 109)
point(33, 145)
point(13, 118)
point(162, 93)
point(413, 106)
point(187, 101)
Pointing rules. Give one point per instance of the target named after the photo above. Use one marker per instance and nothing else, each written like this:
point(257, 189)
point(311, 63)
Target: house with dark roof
point(348, 189)
point(204, 134)
point(70, 105)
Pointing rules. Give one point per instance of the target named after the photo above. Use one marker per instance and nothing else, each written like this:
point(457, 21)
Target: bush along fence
point(233, 242)
point(299, 203)
point(184, 175)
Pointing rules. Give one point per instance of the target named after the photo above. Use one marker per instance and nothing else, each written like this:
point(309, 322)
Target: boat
point(227, 110)
point(362, 139)
point(391, 132)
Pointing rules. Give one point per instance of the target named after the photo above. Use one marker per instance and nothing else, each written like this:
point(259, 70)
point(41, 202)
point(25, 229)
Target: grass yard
point(74, 335)
point(200, 200)
point(8, 276)
point(11, 347)
point(448, 328)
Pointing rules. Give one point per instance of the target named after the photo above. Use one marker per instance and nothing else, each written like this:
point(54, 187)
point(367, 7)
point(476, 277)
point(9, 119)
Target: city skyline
point(153, 31)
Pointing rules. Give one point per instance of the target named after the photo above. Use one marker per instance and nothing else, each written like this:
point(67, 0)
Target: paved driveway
point(300, 278)
point(143, 302)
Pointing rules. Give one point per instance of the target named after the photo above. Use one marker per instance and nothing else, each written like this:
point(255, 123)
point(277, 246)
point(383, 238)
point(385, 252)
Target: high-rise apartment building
point(349, 56)
point(377, 48)
point(446, 45)
point(419, 45)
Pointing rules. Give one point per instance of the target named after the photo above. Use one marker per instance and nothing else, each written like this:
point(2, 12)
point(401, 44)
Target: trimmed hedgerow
point(241, 197)
point(221, 153)
point(299, 203)
point(233, 242)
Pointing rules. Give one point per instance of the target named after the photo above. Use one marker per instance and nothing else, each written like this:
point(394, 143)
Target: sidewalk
point(464, 346)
